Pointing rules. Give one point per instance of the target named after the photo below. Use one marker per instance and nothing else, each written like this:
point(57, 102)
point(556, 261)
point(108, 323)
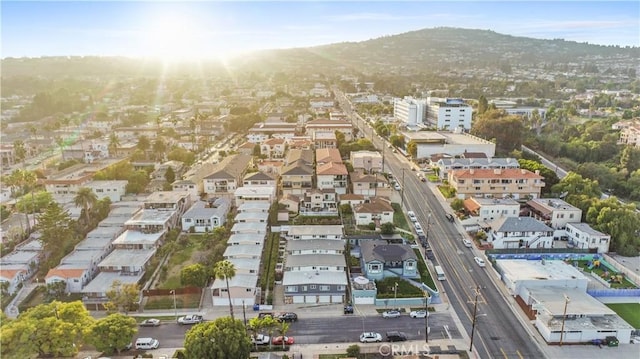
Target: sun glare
point(174, 37)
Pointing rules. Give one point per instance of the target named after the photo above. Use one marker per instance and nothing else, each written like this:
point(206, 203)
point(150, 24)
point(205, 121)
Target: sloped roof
point(519, 224)
point(230, 167)
point(258, 176)
point(296, 169)
point(326, 155)
point(376, 205)
point(507, 173)
point(332, 168)
point(384, 252)
point(65, 273)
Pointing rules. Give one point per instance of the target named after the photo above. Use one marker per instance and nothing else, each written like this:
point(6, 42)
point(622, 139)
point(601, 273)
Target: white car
point(391, 314)
point(397, 187)
point(418, 226)
point(260, 339)
point(190, 319)
point(467, 243)
point(418, 314)
point(480, 261)
point(412, 216)
point(370, 337)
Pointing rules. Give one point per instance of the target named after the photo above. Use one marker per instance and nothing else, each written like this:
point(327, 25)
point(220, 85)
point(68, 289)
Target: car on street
point(370, 337)
point(147, 343)
point(288, 317)
point(262, 315)
point(397, 187)
point(260, 339)
point(467, 243)
point(480, 261)
point(395, 336)
point(418, 314)
point(391, 314)
point(348, 309)
point(190, 319)
point(412, 216)
point(151, 322)
point(418, 226)
point(450, 217)
point(280, 339)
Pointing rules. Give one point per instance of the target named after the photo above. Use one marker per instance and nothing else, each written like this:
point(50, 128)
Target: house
point(246, 265)
point(496, 183)
point(127, 262)
point(153, 221)
point(74, 278)
point(447, 164)
point(519, 232)
point(261, 132)
point(249, 228)
point(581, 235)
point(120, 213)
point(192, 181)
point(13, 277)
point(273, 148)
point(370, 185)
point(323, 125)
point(325, 139)
point(315, 262)
point(228, 175)
point(261, 207)
point(304, 156)
point(311, 232)
point(95, 292)
point(252, 217)
point(168, 201)
point(380, 259)
point(378, 210)
point(160, 172)
point(327, 155)
point(366, 161)
point(87, 151)
point(554, 212)
point(204, 216)
point(296, 178)
point(248, 194)
point(133, 239)
point(114, 190)
point(243, 251)
point(314, 287)
point(290, 202)
point(242, 290)
point(271, 167)
point(319, 202)
point(246, 148)
point(246, 239)
point(332, 175)
point(488, 209)
point(351, 199)
point(314, 247)
point(259, 179)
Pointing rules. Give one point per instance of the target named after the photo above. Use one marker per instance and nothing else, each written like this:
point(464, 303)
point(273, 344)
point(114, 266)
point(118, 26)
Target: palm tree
point(114, 143)
point(86, 199)
point(29, 179)
point(225, 270)
point(283, 328)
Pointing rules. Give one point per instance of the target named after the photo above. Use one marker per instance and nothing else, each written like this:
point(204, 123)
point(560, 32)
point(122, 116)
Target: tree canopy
point(497, 125)
point(112, 333)
point(222, 338)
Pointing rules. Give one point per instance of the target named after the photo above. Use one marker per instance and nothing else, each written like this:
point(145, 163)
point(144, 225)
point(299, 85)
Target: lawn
point(399, 219)
point(180, 259)
point(424, 271)
point(405, 289)
point(630, 312)
point(166, 301)
point(600, 271)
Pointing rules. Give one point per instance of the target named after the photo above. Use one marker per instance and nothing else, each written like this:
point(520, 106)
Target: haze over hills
point(422, 51)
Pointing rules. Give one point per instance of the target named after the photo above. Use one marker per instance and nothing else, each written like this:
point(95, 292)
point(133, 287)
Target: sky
point(216, 29)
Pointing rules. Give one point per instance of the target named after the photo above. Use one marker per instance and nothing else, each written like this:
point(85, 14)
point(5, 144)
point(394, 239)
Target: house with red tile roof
point(75, 277)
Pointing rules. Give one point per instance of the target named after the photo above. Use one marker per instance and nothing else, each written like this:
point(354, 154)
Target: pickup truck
point(260, 339)
point(190, 319)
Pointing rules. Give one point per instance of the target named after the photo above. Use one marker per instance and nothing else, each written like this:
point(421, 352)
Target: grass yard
point(166, 302)
point(630, 312)
point(399, 219)
point(180, 259)
point(405, 289)
point(425, 276)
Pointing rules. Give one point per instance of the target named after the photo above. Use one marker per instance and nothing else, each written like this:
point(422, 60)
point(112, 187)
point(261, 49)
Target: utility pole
point(564, 317)
point(475, 315)
point(402, 190)
point(426, 317)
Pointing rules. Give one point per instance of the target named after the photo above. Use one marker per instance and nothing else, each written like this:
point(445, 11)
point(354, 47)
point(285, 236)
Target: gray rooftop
point(82, 256)
point(254, 206)
point(128, 258)
point(243, 250)
point(19, 257)
point(93, 243)
point(519, 224)
point(151, 217)
point(104, 232)
point(314, 277)
point(239, 280)
point(136, 237)
point(252, 216)
point(305, 260)
point(231, 167)
point(202, 210)
point(249, 227)
point(245, 263)
point(384, 252)
point(321, 244)
point(102, 282)
point(521, 269)
point(507, 162)
point(314, 230)
point(246, 237)
point(586, 228)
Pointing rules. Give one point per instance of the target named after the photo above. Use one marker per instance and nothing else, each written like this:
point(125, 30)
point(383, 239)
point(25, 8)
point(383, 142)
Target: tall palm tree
point(29, 179)
point(86, 199)
point(114, 143)
point(225, 270)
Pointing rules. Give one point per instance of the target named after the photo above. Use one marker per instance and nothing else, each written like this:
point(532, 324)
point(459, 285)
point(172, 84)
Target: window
point(325, 288)
point(292, 288)
point(313, 286)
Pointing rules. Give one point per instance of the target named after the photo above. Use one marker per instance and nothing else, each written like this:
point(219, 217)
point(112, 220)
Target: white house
point(254, 206)
point(243, 251)
point(252, 217)
point(315, 262)
point(519, 232)
point(377, 210)
point(246, 239)
point(204, 216)
point(311, 232)
point(114, 190)
point(242, 290)
point(489, 209)
point(249, 228)
point(254, 194)
point(581, 235)
point(554, 212)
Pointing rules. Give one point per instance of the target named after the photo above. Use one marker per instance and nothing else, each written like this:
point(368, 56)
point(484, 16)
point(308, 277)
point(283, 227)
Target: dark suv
point(288, 317)
point(396, 337)
point(348, 309)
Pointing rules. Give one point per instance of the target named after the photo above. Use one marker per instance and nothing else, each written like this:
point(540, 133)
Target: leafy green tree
point(457, 204)
point(483, 105)
point(138, 181)
point(85, 198)
point(20, 152)
point(112, 333)
point(225, 270)
point(266, 324)
point(39, 201)
point(58, 235)
point(353, 351)
point(122, 297)
point(57, 289)
point(170, 175)
point(222, 338)
point(182, 155)
point(387, 228)
point(397, 141)
point(550, 177)
point(194, 275)
point(575, 185)
point(159, 148)
point(48, 330)
point(412, 149)
point(505, 129)
point(283, 329)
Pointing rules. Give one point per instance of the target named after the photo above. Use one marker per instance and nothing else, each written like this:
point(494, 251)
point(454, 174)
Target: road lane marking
point(519, 354)
point(503, 353)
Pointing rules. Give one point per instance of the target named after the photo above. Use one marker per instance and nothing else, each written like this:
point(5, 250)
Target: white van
point(147, 343)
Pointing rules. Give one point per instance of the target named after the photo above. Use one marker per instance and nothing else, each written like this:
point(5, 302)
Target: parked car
point(279, 340)
point(391, 314)
point(262, 315)
point(635, 340)
point(412, 216)
point(348, 309)
point(147, 343)
point(190, 319)
point(152, 322)
point(396, 336)
point(370, 337)
point(288, 317)
point(612, 341)
point(397, 187)
point(418, 314)
point(450, 217)
point(418, 226)
point(480, 261)
point(260, 339)
point(467, 243)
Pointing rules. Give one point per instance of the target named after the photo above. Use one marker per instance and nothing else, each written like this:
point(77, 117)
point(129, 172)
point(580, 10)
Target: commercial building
point(409, 110)
point(449, 113)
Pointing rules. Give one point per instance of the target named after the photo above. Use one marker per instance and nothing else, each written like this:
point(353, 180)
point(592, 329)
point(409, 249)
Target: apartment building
point(410, 111)
point(497, 183)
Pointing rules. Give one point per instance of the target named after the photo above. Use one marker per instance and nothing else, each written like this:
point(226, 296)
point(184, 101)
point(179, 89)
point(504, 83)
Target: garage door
point(310, 299)
point(363, 300)
point(324, 299)
point(298, 299)
point(336, 299)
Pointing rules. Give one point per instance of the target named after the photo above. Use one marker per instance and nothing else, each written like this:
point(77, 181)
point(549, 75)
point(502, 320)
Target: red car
point(278, 341)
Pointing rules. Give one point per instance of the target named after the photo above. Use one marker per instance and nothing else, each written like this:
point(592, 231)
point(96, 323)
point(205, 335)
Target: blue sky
point(219, 28)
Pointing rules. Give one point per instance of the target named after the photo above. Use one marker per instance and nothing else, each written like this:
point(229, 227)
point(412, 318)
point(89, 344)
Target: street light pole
point(564, 317)
point(395, 295)
point(244, 313)
point(175, 308)
point(475, 311)
point(426, 317)
point(402, 190)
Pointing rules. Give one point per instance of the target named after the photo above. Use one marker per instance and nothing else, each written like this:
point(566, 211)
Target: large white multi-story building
point(448, 113)
point(409, 110)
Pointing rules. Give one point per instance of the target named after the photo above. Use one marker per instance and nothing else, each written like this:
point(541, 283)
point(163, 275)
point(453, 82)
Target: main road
point(474, 296)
